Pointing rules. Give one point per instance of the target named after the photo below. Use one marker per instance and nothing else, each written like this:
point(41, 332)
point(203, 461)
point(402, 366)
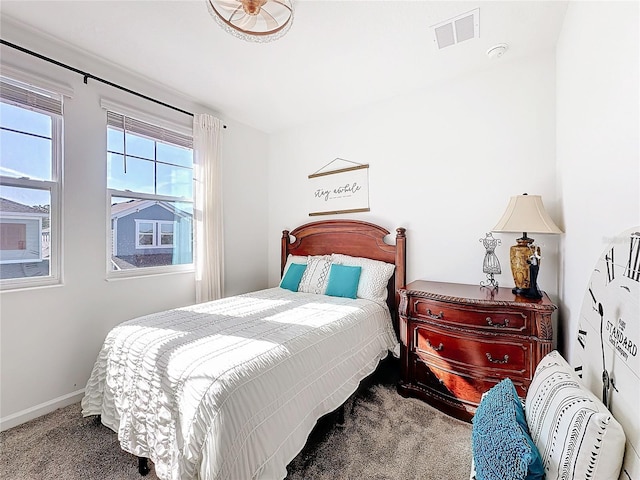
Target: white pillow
point(316, 276)
point(302, 259)
point(578, 438)
point(374, 277)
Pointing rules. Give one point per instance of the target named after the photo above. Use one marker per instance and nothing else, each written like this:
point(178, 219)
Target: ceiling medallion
point(253, 20)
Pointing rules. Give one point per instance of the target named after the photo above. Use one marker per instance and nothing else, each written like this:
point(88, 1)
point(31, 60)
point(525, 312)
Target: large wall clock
point(608, 339)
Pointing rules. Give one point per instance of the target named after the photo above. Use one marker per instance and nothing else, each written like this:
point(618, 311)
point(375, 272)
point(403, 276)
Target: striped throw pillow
point(578, 438)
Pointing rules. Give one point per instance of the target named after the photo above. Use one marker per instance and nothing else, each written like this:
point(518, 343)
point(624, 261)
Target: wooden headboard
point(350, 237)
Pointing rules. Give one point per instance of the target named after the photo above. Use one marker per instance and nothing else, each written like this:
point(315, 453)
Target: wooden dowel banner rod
point(347, 169)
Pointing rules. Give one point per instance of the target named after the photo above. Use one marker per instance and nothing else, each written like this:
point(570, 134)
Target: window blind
point(30, 97)
point(128, 124)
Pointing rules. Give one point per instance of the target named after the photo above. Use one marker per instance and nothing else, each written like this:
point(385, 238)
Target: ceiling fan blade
point(228, 5)
point(247, 22)
point(237, 16)
point(268, 19)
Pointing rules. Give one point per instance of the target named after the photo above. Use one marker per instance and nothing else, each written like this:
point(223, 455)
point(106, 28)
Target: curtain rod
point(87, 75)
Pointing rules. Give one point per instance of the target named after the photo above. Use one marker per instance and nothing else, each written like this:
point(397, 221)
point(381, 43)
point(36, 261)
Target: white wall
point(50, 336)
point(443, 163)
point(598, 131)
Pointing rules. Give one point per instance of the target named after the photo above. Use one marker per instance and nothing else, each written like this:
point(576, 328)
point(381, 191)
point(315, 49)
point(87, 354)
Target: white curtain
point(209, 248)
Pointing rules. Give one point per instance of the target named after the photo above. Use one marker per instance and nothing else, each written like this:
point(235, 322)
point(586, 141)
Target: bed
point(231, 389)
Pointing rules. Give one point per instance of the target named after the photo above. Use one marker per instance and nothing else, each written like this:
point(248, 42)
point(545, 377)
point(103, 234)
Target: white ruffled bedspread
point(231, 389)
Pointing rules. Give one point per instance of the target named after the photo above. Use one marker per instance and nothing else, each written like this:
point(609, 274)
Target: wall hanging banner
point(339, 190)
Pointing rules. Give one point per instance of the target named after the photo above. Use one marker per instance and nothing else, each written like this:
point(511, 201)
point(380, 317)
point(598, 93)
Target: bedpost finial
point(400, 231)
point(285, 234)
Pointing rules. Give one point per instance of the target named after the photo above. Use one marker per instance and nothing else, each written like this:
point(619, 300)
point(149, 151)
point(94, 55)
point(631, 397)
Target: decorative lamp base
point(518, 255)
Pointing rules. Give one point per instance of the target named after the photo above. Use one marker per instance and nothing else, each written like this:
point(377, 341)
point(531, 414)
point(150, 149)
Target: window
point(154, 234)
point(30, 165)
point(13, 236)
point(145, 233)
point(150, 182)
point(166, 233)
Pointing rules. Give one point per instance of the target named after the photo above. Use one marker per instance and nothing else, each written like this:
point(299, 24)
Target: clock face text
point(609, 333)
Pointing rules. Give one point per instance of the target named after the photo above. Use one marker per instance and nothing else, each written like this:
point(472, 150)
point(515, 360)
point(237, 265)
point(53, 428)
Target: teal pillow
point(501, 445)
point(292, 276)
point(536, 467)
point(343, 281)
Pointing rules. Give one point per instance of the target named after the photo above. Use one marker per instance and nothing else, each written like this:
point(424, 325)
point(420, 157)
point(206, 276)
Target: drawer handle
point(438, 316)
point(493, 324)
point(497, 360)
point(439, 348)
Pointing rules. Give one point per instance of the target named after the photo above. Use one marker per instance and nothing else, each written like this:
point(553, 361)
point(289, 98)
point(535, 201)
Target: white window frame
point(53, 186)
point(153, 234)
point(173, 233)
point(160, 124)
point(156, 233)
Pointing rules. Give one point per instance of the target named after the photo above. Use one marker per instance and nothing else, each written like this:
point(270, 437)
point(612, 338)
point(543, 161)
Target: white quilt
point(231, 389)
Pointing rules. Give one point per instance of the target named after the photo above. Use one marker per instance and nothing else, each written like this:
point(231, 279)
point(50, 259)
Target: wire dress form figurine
point(490, 265)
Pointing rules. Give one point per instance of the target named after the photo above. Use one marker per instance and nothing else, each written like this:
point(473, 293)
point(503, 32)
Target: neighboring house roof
point(9, 206)
point(119, 210)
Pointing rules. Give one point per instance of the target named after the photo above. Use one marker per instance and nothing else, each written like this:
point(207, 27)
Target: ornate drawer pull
point(438, 316)
point(493, 324)
point(439, 348)
point(497, 360)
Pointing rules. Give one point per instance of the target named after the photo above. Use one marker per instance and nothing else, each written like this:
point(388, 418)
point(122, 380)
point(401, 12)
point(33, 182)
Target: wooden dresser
point(458, 341)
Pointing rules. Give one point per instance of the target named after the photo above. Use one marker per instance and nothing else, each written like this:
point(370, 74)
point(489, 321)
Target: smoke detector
point(498, 50)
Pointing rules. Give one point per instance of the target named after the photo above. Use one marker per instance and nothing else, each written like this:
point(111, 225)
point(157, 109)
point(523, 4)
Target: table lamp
point(526, 214)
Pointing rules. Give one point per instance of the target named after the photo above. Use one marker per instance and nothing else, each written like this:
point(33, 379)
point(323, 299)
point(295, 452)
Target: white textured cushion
point(578, 438)
point(301, 259)
point(316, 276)
point(374, 277)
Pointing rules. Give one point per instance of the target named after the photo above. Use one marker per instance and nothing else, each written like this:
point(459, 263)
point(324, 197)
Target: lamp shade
point(526, 213)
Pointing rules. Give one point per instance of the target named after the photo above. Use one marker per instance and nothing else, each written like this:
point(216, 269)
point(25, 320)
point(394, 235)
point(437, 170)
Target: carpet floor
point(384, 436)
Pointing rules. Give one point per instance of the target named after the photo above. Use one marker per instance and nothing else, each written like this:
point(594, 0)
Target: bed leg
point(143, 466)
point(340, 420)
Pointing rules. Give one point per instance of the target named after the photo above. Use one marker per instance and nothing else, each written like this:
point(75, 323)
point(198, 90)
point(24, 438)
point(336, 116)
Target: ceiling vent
point(457, 29)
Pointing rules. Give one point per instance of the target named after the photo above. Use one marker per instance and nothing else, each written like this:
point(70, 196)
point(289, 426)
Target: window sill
point(149, 272)
point(29, 284)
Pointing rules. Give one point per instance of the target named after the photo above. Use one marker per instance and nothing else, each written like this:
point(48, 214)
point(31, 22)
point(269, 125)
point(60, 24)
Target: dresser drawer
point(493, 319)
point(493, 357)
point(455, 386)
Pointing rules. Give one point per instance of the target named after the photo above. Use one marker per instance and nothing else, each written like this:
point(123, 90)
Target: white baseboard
point(24, 416)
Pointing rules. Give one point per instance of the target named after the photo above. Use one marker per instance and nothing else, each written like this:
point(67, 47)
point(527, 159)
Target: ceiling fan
point(253, 20)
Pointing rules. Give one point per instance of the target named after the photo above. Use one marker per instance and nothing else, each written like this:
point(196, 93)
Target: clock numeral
point(593, 296)
point(578, 370)
point(610, 271)
point(633, 264)
point(582, 334)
